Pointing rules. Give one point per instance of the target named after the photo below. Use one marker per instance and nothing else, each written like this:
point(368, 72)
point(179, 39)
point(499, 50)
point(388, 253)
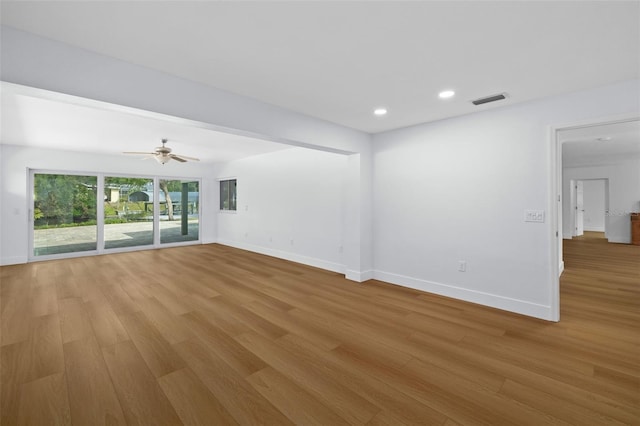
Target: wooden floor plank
point(106, 324)
point(157, 353)
point(347, 404)
point(44, 402)
point(304, 410)
point(241, 360)
point(562, 409)
point(390, 400)
point(75, 323)
point(141, 398)
point(92, 398)
point(171, 326)
point(15, 318)
point(193, 401)
point(242, 401)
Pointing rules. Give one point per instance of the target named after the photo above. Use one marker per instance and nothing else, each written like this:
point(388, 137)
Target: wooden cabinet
point(635, 229)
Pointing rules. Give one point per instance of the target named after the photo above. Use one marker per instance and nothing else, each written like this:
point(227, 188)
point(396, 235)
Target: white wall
point(594, 205)
point(457, 190)
point(15, 163)
point(624, 194)
point(291, 204)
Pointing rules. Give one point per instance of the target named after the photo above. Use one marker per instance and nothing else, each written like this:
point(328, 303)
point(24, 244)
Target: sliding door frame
point(100, 249)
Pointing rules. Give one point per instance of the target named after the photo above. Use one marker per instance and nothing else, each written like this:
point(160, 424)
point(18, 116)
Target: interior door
point(579, 208)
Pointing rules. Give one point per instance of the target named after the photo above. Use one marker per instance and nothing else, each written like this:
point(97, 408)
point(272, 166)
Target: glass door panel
point(128, 212)
point(64, 213)
point(179, 202)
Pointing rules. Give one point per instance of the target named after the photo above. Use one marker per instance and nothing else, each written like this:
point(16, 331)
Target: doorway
point(618, 141)
point(589, 207)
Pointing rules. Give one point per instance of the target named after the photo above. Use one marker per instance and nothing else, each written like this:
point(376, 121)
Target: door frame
point(555, 199)
point(577, 225)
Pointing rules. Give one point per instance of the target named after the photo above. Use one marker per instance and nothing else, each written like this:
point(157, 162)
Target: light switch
point(534, 216)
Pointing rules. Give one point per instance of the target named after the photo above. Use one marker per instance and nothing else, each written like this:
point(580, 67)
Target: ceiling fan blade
point(175, 157)
point(139, 153)
point(184, 157)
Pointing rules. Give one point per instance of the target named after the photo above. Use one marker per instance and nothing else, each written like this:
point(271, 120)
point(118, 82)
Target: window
point(228, 194)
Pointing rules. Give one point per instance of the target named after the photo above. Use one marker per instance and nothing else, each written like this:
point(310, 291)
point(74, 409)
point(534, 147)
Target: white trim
point(555, 198)
point(156, 208)
point(100, 213)
point(518, 306)
point(30, 213)
point(359, 276)
point(58, 256)
point(127, 249)
point(619, 239)
point(293, 257)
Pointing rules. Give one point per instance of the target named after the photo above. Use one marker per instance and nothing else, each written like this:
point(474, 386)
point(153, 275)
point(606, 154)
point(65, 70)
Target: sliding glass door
point(69, 217)
point(64, 213)
point(180, 206)
point(128, 212)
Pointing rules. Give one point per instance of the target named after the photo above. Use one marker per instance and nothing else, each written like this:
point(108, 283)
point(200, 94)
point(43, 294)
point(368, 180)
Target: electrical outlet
point(291, 241)
point(534, 216)
point(462, 265)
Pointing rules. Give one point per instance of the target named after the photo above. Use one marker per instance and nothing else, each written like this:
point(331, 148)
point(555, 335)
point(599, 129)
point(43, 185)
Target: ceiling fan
point(163, 154)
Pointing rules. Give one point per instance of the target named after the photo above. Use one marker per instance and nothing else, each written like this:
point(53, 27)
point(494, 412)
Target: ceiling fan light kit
point(163, 155)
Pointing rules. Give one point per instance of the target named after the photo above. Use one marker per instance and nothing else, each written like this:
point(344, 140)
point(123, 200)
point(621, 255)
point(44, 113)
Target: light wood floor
point(215, 336)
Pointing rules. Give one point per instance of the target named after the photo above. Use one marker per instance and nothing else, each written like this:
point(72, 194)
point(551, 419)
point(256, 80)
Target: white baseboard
point(561, 267)
point(594, 229)
point(619, 239)
point(359, 276)
point(293, 257)
point(14, 260)
point(500, 302)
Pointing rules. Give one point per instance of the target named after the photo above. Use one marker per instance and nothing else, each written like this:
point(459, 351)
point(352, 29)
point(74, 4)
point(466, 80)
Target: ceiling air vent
point(488, 99)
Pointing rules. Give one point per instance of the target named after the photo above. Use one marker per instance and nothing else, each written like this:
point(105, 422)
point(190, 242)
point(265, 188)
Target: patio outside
point(119, 235)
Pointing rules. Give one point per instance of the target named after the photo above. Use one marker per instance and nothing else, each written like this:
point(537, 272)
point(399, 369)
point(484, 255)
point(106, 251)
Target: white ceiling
point(597, 145)
point(85, 126)
point(338, 60)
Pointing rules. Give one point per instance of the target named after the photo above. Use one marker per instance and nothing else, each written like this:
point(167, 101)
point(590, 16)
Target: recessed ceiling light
point(446, 94)
point(380, 111)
